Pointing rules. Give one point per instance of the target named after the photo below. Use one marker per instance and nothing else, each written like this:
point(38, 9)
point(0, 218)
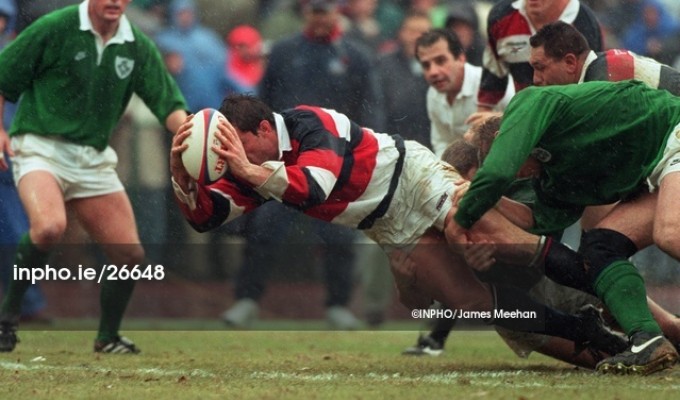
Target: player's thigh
point(43, 201)
point(633, 218)
point(444, 275)
point(109, 221)
point(667, 221)
point(594, 214)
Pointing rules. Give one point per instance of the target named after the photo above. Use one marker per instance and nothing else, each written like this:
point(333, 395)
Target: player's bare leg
point(444, 275)
point(667, 221)
point(43, 201)
point(110, 222)
point(634, 219)
point(594, 214)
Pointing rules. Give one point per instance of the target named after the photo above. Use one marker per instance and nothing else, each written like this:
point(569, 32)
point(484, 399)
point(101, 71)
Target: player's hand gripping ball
point(203, 164)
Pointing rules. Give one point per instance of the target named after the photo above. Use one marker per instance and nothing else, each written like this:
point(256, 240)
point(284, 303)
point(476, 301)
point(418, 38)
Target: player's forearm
point(518, 213)
point(255, 175)
point(174, 120)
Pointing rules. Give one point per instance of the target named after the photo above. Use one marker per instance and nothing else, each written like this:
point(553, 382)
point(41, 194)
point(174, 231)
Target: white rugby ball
point(200, 161)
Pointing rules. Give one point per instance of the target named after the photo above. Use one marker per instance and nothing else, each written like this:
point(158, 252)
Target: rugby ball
point(200, 161)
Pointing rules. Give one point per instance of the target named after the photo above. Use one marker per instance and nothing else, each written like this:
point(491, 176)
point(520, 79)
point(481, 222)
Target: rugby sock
point(27, 256)
point(547, 321)
point(566, 267)
point(622, 289)
point(114, 298)
point(441, 329)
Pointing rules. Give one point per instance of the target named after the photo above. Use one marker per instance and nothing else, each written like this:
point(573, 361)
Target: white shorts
point(81, 171)
point(422, 200)
point(670, 161)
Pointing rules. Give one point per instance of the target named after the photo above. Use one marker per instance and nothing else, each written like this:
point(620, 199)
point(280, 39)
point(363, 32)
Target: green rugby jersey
point(597, 143)
point(67, 90)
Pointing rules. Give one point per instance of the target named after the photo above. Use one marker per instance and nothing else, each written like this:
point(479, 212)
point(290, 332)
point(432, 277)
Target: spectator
point(463, 20)
point(648, 32)
point(454, 83)
point(432, 8)
point(284, 20)
point(194, 55)
point(403, 84)
point(362, 25)
point(389, 15)
point(245, 59)
point(320, 57)
point(13, 217)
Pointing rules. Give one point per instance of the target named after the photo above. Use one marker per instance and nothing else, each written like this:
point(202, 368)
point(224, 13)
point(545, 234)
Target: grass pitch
point(302, 365)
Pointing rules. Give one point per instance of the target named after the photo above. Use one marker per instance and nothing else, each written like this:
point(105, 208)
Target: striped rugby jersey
point(330, 168)
point(618, 65)
point(508, 48)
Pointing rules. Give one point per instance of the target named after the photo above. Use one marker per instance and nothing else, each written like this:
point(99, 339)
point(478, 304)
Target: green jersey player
point(75, 70)
point(595, 143)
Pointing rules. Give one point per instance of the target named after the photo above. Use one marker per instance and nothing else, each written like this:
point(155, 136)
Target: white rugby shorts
point(422, 200)
point(670, 161)
point(81, 171)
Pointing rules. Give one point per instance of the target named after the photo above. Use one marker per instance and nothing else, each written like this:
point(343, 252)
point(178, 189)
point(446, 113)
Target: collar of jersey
point(282, 132)
point(469, 86)
point(592, 56)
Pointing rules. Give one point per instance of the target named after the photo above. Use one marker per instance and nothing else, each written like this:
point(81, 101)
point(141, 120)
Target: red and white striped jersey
point(330, 168)
point(508, 48)
point(618, 65)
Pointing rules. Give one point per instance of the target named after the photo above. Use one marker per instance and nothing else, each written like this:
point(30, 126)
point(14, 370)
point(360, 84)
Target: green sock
point(622, 289)
point(27, 256)
point(114, 297)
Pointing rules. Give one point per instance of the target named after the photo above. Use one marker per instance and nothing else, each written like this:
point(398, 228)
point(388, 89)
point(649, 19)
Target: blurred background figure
point(13, 220)
point(652, 26)
point(283, 19)
point(320, 66)
point(433, 8)
point(403, 85)
point(361, 24)
point(245, 58)
point(463, 20)
point(195, 56)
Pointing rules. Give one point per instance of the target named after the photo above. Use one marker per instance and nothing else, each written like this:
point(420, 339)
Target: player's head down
point(246, 112)
point(255, 125)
